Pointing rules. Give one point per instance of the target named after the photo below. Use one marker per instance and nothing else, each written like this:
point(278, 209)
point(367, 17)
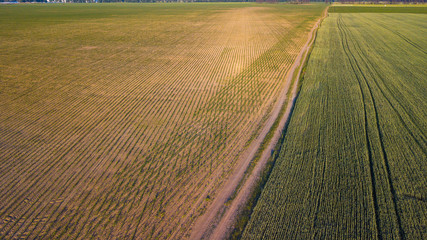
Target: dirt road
point(217, 222)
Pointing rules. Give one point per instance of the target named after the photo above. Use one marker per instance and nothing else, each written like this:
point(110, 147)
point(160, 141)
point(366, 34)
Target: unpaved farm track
point(218, 220)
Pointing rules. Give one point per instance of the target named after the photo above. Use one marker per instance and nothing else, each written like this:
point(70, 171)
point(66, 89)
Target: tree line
point(259, 1)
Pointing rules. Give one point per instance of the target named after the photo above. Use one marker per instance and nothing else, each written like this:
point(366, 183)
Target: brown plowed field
point(122, 121)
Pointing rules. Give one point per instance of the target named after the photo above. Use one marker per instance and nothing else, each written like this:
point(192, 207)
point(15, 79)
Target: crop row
point(117, 134)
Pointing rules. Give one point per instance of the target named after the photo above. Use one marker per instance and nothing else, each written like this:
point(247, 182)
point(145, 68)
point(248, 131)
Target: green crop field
point(121, 121)
point(353, 162)
point(398, 8)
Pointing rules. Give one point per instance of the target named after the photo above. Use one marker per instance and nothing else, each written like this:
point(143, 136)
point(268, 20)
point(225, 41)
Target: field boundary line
point(218, 220)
